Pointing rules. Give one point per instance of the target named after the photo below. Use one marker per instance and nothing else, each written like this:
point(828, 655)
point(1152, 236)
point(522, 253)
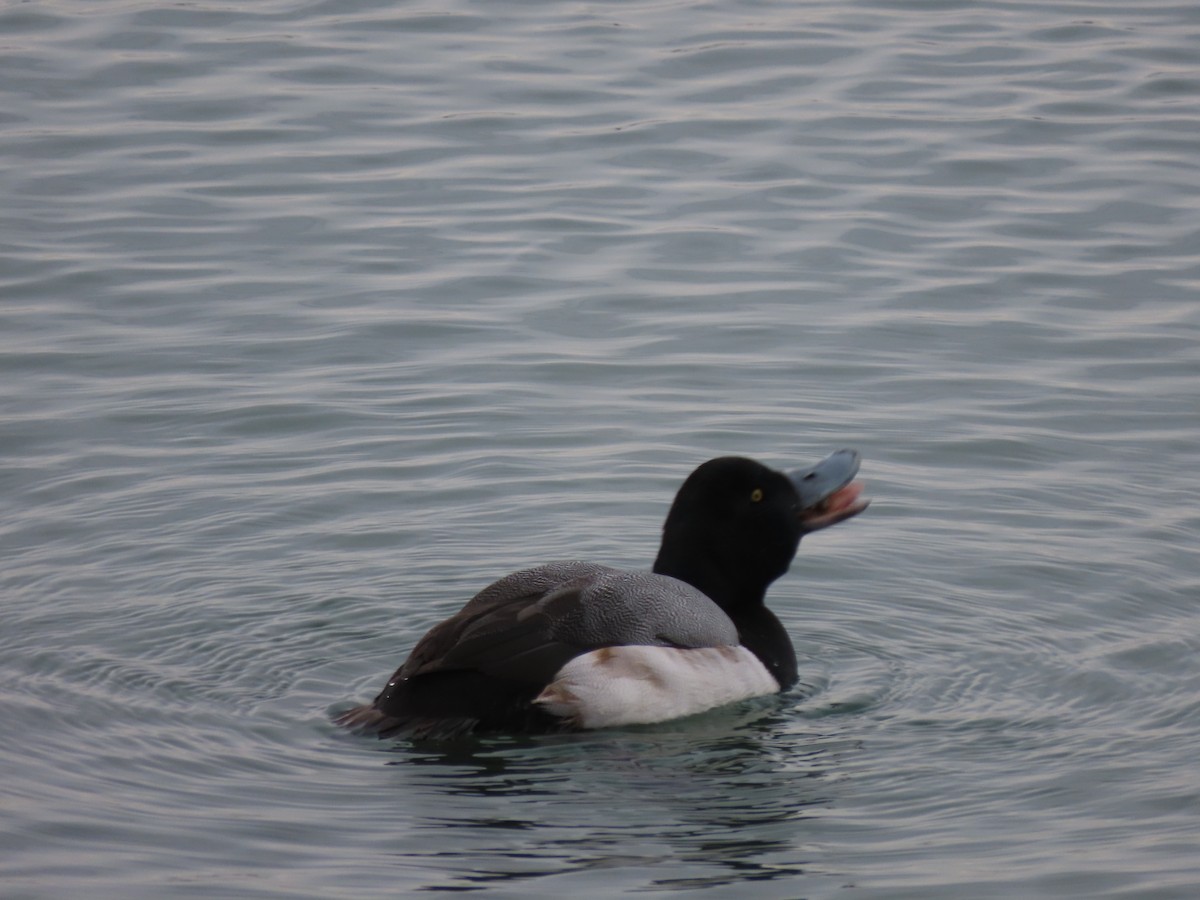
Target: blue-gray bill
point(828, 492)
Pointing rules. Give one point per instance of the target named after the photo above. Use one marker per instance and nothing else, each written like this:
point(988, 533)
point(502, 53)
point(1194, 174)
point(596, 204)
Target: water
point(317, 317)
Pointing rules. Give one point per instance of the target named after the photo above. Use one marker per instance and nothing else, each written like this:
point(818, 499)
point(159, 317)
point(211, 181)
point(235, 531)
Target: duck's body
point(578, 645)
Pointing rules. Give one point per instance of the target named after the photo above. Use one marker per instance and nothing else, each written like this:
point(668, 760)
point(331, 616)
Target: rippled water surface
point(315, 317)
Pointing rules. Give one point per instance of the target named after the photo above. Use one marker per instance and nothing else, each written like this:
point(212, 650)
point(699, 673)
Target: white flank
point(635, 685)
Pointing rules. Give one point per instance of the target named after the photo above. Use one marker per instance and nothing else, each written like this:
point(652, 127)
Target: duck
point(574, 645)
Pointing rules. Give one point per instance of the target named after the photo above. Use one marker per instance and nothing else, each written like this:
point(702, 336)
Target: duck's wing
point(512, 638)
point(526, 626)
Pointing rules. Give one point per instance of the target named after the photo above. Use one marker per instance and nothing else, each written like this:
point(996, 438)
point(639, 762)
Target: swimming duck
point(576, 645)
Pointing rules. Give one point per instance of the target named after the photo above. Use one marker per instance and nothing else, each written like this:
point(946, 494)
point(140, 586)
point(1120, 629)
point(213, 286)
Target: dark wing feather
point(505, 626)
point(526, 626)
point(484, 665)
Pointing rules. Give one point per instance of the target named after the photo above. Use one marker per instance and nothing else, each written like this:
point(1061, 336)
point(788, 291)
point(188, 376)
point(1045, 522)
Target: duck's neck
point(707, 575)
point(758, 629)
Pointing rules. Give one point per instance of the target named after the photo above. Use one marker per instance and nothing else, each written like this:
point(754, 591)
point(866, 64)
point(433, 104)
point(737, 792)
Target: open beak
point(828, 492)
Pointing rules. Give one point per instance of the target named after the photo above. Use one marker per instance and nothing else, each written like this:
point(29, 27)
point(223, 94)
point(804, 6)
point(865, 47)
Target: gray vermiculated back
point(642, 608)
point(533, 581)
point(590, 604)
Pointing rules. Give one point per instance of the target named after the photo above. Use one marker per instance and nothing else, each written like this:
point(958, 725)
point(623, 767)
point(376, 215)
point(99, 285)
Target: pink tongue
point(843, 497)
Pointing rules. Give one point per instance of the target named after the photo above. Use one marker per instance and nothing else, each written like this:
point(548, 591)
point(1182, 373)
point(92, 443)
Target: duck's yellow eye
point(756, 495)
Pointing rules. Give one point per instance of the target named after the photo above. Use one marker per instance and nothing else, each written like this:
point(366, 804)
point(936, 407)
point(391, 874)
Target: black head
point(735, 524)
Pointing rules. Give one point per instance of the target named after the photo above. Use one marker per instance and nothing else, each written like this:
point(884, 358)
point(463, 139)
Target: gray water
point(318, 316)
